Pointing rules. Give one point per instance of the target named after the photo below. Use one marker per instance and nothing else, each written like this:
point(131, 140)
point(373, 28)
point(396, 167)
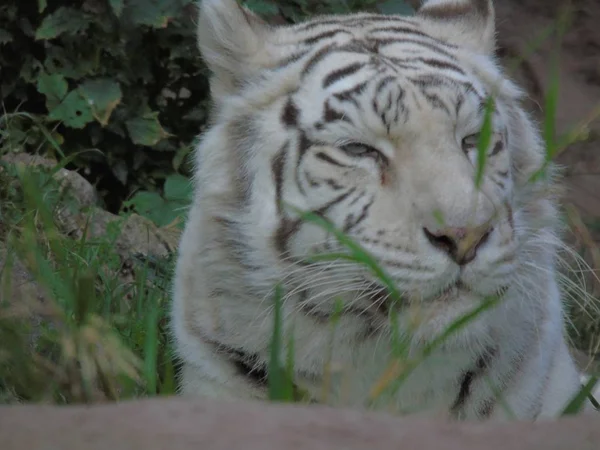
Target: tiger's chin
point(458, 311)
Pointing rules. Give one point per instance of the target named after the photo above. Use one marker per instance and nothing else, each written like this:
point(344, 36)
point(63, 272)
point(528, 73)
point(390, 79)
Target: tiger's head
point(373, 122)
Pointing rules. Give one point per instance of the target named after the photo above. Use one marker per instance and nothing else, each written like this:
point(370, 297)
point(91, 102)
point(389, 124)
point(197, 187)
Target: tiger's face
point(375, 123)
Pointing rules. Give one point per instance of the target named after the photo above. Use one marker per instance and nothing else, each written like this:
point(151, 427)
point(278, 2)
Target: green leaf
point(146, 130)
point(399, 7)
point(154, 13)
point(5, 37)
point(154, 207)
point(54, 87)
point(69, 65)
point(262, 7)
point(164, 210)
point(149, 204)
point(117, 6)
point(42, 4)
point(178, 188)
point(73, 111)
point(103, 95)
point(63, 20)
point(31, 69)
point(180, 156)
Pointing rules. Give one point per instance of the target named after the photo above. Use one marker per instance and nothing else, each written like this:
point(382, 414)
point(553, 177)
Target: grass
point(84, 334)
point(88, 334)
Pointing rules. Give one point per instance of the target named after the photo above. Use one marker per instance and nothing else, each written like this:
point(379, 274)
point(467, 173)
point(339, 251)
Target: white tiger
point(372, 122)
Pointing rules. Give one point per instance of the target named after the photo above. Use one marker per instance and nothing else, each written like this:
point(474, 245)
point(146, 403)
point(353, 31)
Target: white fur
point(217, 299)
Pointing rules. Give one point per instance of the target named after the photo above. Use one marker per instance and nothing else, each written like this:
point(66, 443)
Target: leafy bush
point(116, 85)
point(121, 77)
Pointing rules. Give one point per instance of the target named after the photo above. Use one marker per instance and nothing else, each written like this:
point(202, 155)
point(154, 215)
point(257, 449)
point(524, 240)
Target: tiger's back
point(372, 122)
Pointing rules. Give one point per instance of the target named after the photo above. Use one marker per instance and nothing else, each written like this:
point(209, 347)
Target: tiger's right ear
point(466, 23)
point(232, 41)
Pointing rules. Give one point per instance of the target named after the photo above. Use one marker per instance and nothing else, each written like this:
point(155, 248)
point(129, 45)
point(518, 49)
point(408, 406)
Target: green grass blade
point(276, 382)
point(484, 141)
point(151, 346)
point(578, 402)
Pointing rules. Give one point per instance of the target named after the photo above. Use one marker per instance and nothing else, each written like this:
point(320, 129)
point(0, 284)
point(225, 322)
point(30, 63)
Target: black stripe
point(333, 184)
point(382, 42)
point(354, 20)
point(342, 73)
point(324, 35)
point(497, 148)
point(316, 23)
point(362, 19)
point(438, 64)
point(486, 408)
point(313, 182)
point(400, 106)
point(349, 94)
point(432, 81)
point(356, 47)
point(401, 265)
point(467, 380)
point(384, 82)
point(351, 222)
point(324, 157)
point(459, 103)
point(358, 197)
point(251, 367)
point(464, 392)
point(316, 58)
point(277, 169)
point(288, 228)
point(435, 101)
point(303, 145)
point(290, 113)
point(332, 115)
point(413, 31)
point(292, 59)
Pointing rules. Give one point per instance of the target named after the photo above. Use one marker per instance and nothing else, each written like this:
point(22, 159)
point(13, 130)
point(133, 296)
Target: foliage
point(167, 208)
point(122, 77)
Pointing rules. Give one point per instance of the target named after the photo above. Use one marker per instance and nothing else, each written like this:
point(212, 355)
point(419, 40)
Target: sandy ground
point(519, 23)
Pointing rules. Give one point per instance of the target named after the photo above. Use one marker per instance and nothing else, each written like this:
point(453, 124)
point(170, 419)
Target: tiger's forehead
point(382, 77)
point(364, 32)
point(324, 27)
point(370, 46)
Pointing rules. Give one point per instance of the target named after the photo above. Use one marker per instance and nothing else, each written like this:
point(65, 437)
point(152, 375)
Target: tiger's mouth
point(382, 301)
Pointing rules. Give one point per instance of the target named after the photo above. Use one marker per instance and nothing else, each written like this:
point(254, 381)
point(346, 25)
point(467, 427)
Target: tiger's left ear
point(466, 23)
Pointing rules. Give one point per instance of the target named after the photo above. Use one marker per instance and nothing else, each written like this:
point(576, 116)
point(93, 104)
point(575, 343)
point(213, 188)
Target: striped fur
point(370, 121)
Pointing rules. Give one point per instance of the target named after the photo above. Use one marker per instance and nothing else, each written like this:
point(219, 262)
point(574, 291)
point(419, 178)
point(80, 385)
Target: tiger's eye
point(357, 149)
point(470, 142)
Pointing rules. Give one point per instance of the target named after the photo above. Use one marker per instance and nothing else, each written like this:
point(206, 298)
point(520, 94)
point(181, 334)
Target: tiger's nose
point(461, 244)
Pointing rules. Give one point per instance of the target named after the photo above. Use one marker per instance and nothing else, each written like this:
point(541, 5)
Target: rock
point(78, 187)
point(134, 236)
point(211, 425)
